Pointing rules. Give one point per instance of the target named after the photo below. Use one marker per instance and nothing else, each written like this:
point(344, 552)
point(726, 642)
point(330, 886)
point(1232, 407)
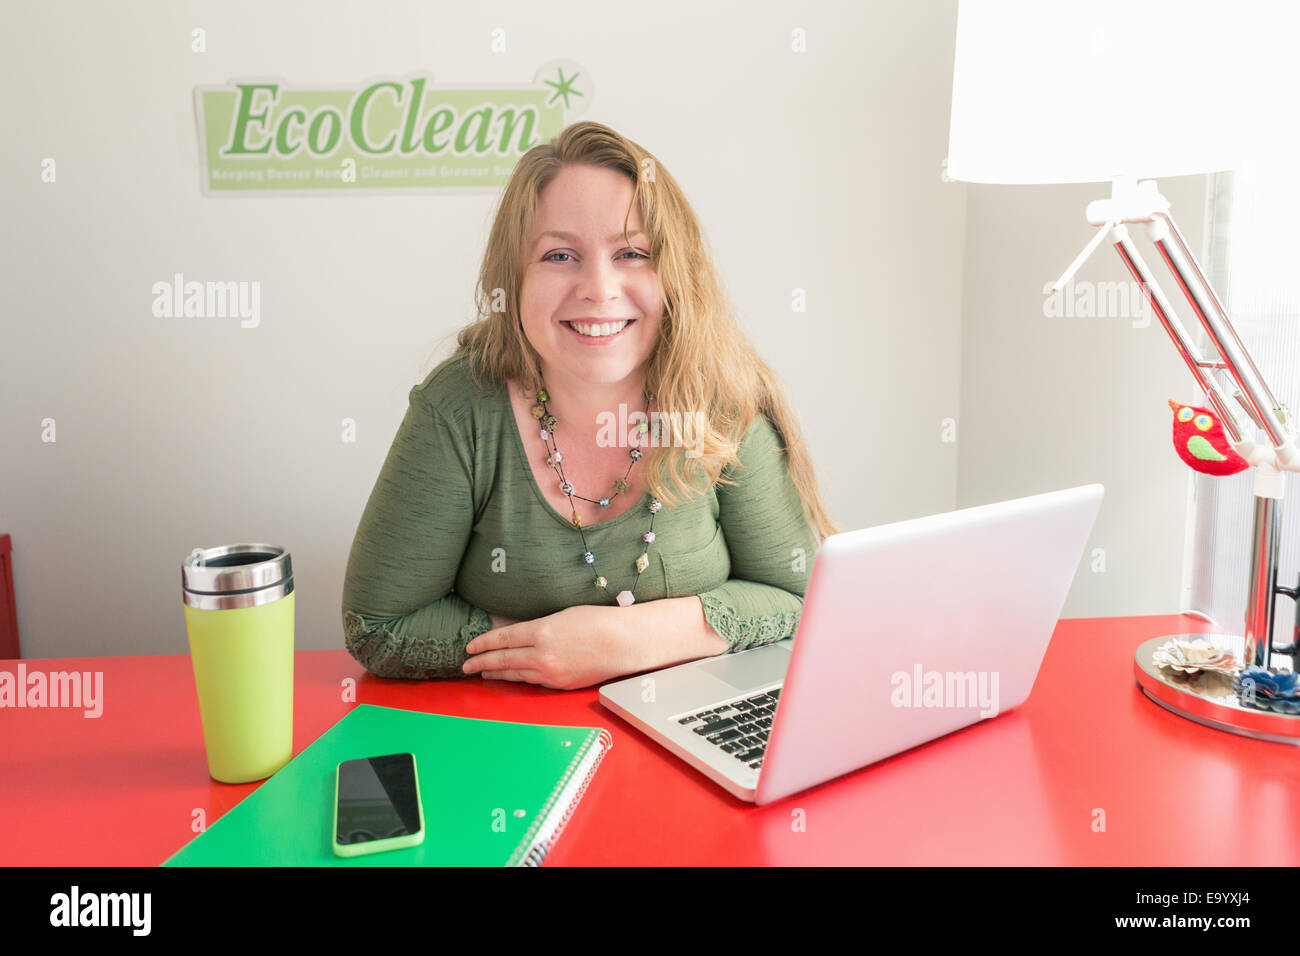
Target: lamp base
point(1209, 698)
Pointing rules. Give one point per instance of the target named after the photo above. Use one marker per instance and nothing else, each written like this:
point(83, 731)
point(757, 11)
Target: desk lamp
point(1054, 91)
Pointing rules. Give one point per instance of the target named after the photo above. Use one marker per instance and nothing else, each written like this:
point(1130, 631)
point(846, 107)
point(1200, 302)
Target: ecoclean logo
point(266, 136)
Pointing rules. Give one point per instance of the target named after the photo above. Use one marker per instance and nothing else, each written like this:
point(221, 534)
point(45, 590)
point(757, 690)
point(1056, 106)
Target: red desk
point(122, 789)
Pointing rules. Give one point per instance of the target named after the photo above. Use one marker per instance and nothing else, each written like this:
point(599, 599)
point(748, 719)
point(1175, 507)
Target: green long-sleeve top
point(456, 526)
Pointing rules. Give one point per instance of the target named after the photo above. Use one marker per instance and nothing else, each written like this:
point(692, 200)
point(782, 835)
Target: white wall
point(817, 171)
point(1050, 403)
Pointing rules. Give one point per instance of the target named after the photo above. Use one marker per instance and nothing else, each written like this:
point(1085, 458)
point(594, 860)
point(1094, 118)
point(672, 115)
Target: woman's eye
point(629, 252)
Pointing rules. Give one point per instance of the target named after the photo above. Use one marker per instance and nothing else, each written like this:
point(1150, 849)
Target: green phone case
point(378, 846)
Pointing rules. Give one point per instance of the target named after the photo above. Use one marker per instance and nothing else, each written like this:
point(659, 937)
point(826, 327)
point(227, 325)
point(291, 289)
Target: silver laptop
point(909, 631)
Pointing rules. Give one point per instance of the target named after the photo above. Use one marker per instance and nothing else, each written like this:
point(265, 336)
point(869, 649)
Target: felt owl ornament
point(1201, 442)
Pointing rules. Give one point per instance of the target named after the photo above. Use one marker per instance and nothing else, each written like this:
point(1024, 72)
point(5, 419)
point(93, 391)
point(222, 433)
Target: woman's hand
point(575, 647)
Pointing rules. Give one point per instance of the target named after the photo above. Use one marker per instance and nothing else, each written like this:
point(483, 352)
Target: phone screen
point(377, 799)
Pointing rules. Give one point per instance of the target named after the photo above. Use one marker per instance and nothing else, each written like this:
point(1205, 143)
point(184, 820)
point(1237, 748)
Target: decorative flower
point(1188, 657)
point(1268, 690)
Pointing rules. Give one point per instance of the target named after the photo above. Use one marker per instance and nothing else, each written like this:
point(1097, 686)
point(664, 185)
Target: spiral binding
point(537, 853)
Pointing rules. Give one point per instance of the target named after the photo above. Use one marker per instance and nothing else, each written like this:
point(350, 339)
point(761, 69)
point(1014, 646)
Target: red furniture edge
point(8, 608)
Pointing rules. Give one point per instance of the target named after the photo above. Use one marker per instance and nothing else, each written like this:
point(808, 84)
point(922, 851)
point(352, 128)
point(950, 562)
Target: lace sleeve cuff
point(385, 654)
point(742, 633)
point(480, 622)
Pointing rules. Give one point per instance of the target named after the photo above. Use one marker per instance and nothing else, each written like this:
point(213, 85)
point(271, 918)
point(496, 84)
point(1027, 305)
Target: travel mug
point(239, 618)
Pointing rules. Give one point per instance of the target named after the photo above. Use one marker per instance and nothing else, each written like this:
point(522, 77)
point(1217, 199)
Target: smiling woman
point(513, 513)
point(590, 301)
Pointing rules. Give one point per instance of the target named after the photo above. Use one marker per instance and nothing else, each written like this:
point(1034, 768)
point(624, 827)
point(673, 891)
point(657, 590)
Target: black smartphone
point(377, 805)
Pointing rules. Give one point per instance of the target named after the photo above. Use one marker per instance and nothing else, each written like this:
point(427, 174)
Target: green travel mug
point(239, 618)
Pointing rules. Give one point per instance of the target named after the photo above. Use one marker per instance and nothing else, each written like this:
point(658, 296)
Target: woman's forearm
point(660, 633)
point(669, 631)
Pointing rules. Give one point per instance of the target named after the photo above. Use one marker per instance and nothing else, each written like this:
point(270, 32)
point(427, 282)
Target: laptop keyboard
point(740, 727)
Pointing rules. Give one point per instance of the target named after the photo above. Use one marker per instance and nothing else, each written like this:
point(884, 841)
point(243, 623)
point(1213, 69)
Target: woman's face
point(589, 273)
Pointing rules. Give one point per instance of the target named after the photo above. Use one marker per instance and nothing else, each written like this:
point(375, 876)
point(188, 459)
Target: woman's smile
point(598, 333)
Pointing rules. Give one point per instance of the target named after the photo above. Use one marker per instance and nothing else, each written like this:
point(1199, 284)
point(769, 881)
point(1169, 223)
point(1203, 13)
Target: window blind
point(1251, 260)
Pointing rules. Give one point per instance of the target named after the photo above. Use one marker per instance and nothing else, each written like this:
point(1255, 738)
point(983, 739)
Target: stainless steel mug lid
point(236, 575)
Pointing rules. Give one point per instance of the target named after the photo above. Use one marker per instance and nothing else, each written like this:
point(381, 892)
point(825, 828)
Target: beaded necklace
point(554, 459)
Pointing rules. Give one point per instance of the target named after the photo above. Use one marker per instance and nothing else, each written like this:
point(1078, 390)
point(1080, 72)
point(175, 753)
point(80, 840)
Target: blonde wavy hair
point(702, 361)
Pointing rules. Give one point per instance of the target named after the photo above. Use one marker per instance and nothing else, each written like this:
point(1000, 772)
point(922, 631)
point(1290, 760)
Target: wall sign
point(393, 134)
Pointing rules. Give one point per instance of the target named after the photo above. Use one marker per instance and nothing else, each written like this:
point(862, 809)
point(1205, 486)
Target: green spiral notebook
point(495, 793)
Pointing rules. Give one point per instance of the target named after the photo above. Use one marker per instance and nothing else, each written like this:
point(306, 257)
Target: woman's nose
point(598, 280)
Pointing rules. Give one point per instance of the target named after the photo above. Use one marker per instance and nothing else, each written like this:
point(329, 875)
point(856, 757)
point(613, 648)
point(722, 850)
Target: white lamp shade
point(1059, 91)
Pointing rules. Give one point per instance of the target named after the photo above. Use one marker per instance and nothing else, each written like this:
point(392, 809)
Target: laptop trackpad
point(750, 669)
